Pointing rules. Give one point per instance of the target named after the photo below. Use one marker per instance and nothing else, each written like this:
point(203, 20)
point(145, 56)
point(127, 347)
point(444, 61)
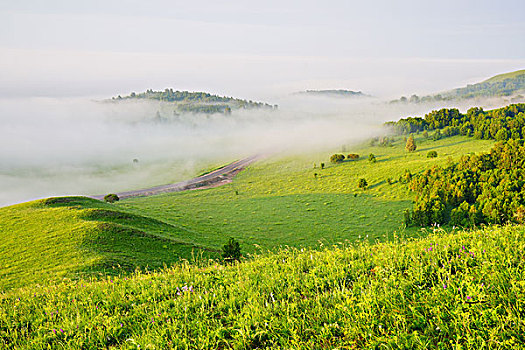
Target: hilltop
point(195, 102)
point(503, 85)
point(333, 93)
point(46, 240)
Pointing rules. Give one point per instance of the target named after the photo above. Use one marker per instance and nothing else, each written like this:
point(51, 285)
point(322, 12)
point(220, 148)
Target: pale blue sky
point(99, 47)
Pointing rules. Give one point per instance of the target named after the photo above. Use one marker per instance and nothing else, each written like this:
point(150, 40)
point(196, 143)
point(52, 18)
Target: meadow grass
point(458, 290)
point(275, 203)
point(46, 240)
point(280, 202)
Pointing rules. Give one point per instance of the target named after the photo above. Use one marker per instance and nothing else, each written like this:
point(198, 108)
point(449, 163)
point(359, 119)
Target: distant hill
point(334, 93)
point(503, 85)
point(196, 102)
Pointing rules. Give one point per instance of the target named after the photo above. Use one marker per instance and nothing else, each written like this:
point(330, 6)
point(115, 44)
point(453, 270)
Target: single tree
point(411, 144)
point(362, 184)
point(231, 251)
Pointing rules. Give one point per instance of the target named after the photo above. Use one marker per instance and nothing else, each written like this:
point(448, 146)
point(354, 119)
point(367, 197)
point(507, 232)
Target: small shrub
point(432, 154)
point(425, 134)
point(337, 158)
point(362, 184)
point(389, 181)
point(372, 158)
point(407, 219)
point(406, 177)
point(437, 135)
point(231, 251)
point(111, 198)
point(352, 156)
point(322, 165)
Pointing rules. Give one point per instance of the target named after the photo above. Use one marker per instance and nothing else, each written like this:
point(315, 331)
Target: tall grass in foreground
point(461, 290)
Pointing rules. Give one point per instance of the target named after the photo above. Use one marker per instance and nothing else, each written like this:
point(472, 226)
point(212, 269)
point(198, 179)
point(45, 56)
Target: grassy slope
point(54, 238)
point(463, 290)
point(502, 77)
point(280, 202)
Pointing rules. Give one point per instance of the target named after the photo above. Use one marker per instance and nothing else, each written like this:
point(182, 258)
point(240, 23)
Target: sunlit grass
point(448, 290)
point(280, 202)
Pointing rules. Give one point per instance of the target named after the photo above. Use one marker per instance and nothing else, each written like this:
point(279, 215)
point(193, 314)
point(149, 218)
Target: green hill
point(195, 102)
point(506, 76)
point(46, 240)
point(333, 93)
point(503, 85)
point(459, 290)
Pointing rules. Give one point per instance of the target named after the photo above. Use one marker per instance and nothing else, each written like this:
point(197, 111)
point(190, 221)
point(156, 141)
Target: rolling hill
point(46, 240)
point(333, 93)
point(195, 102)
point(510, 84)
point(274, 203)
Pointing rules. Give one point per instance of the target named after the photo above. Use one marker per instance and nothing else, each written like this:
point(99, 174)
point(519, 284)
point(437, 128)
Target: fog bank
point(79, 146)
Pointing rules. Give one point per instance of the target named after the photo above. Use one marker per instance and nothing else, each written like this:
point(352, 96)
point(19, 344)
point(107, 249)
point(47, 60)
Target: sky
point(255, 49)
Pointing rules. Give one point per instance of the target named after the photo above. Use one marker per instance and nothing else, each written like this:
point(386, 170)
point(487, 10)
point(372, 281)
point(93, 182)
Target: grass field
point(461, 290)
point(275, 203)
point(280, 202)
point(44, 241)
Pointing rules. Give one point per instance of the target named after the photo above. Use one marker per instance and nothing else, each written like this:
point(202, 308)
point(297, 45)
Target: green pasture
point(281, 202)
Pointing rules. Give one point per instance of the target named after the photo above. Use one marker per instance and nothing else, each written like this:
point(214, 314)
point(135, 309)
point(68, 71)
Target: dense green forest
point(479, 189)
point(500, 85)
point(497, 124)
point(196, 102)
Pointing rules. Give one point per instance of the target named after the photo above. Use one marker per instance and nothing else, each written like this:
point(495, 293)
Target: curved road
point(215, 178)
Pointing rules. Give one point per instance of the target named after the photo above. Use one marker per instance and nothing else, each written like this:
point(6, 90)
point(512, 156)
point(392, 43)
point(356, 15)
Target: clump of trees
point(111, 198)
point(498, 124)
point(479, 189)
point(337, 158)
point(352, 156)
point(372, 158)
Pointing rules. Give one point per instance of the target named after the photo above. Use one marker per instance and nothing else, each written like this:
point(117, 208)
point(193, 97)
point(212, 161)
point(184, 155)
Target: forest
point(169, 95)
point(498, 124)
point(486, 188)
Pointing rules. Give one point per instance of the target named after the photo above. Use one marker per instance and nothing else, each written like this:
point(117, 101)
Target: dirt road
point(215, 178)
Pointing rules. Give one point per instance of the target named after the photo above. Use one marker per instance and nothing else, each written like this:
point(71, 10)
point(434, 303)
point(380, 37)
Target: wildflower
point(468, 298)
point(444, 286)
point(61, 330)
